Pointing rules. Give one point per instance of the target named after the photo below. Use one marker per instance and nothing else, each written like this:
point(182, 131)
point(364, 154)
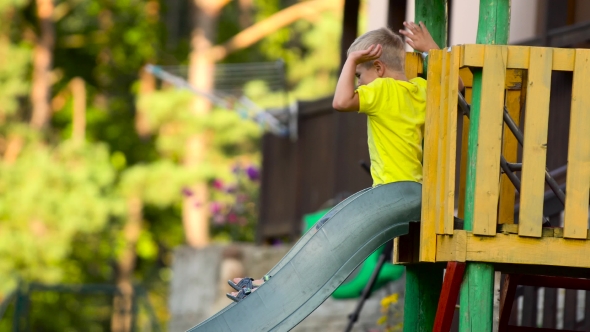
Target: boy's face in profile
point(366, 74)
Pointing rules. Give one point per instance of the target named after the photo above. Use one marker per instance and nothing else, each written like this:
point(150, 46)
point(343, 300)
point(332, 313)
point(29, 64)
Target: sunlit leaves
point(48, 195)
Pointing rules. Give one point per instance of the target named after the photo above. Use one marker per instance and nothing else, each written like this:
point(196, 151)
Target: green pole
point(424, 281)
point(476, 299)
point(423, 285)
point(433, 13)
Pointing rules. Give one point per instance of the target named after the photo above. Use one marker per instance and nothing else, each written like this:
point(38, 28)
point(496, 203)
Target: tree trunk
point(122, 316)
point(246, 11)
point(200, 75)
point(13, 148)
point(147, 85)
point(42, 59)
point(147, 81)
point(78, 88)
point(201, 72)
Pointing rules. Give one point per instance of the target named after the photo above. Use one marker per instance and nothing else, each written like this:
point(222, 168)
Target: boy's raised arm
point(345, 98)
point(418, 37)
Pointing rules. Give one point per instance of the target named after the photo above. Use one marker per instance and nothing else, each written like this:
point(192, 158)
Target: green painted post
point(433, 13)
point(424, 281)
point(423, 285)
point(476, 300)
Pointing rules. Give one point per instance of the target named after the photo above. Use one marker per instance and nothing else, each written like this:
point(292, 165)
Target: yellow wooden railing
point(519, 78)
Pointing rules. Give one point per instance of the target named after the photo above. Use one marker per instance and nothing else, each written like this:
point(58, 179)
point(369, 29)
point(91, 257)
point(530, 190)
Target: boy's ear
point(379, 67)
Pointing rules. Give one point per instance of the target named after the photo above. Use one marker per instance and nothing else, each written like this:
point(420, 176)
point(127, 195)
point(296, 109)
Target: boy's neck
point(396, 75)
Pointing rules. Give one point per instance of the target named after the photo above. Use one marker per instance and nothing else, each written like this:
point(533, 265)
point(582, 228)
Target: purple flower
point(219, 219)
point(231, 189)
point(187, 192)
point(215, 207)
point(253, 173)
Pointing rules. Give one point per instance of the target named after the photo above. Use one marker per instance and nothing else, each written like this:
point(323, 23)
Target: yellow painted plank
point(443, 152)
point(518, 57)
point(451, 141)
point(563, 59)
point(411, 65)
point(578, 164)
point(514, 81)
point(451, 248)
point(487, 181)
point(466, 75)
point(472, 55)
point(396, 250)
point(535, 142)
point(514, 249)
point(428, 224)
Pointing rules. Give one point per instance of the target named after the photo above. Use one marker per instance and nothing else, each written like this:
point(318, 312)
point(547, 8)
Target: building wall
point(465, 16)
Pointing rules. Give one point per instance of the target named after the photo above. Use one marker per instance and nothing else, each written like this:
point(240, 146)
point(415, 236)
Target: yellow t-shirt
point(396, 112)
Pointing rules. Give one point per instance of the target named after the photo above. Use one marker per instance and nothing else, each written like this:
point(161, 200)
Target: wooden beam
point(535, 143)
point(507, 299)
point(476, 309)
point(518, 57)
point(511, 328)
point(448, 296)
point(451, 141)
point(515, 78)
point(434, 14)
point(350, 22)
point(578, 177)
point(423, 285)
point(556, 282)
point(514, 249)
point(431, 147)
point(444, 144)
point(489, 139)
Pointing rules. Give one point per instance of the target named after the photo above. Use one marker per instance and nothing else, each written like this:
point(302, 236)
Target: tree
point(201, 72)
point(42, 62)
point(99, 200)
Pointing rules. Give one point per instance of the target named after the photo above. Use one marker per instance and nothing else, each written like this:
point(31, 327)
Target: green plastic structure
point(322, 259)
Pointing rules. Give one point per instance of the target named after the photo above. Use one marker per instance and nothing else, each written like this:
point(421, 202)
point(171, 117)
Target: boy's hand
point(418, 37)
point(371, 53)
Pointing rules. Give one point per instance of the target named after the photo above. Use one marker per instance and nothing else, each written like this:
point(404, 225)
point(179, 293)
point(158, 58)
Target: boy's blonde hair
point(393, 55)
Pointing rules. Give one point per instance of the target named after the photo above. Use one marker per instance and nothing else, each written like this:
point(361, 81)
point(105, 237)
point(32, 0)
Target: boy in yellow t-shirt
point(395, 106)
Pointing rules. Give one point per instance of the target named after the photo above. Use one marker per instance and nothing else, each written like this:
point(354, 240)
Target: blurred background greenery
point(104, 169)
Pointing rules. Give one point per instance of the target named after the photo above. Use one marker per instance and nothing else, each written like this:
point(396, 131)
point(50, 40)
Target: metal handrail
point(509, 168)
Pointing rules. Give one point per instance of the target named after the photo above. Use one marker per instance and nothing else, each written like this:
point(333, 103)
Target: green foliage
point(12, 75)
point(49, 194)
point(63, 202)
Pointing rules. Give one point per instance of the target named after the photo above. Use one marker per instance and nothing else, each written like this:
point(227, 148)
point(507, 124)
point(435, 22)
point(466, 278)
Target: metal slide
point(322, 259)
